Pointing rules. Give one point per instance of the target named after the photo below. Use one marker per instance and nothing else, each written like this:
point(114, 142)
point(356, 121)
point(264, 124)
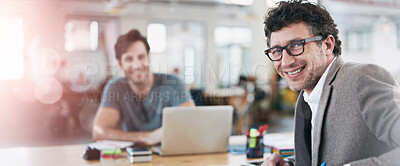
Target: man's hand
point(153, 137)
point(275, 160)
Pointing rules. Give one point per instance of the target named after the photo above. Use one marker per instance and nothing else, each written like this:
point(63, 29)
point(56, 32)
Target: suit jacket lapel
point(323, 103)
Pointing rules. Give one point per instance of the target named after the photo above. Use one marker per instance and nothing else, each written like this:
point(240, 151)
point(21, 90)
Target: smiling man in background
point(131, 106)
point(346, 113)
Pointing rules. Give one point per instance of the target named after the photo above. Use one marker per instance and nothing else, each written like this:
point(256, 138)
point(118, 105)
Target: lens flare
point(86, 116)
point(49, 61)
point(23, 90)
point(77, 78)
point(11, 46)
point(48, 90)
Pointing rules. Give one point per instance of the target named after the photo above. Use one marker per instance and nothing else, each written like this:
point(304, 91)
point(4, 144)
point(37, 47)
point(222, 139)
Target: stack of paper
point(284, 150)
point(138, 154)
point(278, 139)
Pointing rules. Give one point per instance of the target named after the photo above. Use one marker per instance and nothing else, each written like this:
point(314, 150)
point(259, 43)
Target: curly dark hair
point(315, 16)
point(124, 41)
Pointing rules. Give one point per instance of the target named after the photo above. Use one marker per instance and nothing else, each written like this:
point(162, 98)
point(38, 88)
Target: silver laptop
point(194, 130)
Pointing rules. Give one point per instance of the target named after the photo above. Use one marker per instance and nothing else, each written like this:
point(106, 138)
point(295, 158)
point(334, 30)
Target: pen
point(323, 164)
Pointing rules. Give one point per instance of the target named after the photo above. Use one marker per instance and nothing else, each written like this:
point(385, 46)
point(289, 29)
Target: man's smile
point(294, 73)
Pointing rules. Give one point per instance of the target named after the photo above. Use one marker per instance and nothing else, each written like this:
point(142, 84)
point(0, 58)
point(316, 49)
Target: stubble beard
point(144, 81)
point(145, 74)
point(295, 86)
point(311, 79)
point(314, 75)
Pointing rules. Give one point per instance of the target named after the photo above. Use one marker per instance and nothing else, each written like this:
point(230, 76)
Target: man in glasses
point(346, 113)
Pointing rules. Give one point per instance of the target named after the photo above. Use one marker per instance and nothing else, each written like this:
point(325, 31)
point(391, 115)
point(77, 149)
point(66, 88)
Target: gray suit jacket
point(358, 117)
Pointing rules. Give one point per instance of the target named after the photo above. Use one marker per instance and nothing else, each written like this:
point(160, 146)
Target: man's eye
point(141, 56)
point(296, 45)
point(276, 51)
point(128, 59)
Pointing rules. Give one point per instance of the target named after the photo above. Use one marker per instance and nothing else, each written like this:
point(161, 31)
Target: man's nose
point(287, 59)
point(135, 65)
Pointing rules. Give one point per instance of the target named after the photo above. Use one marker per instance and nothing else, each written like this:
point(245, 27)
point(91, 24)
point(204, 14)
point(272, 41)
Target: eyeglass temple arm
point(315, 38)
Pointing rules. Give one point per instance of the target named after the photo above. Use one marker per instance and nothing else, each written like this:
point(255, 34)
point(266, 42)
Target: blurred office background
point(57, 55)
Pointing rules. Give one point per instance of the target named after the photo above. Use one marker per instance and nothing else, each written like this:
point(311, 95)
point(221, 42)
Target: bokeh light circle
point(86, 116)
point(48, 90)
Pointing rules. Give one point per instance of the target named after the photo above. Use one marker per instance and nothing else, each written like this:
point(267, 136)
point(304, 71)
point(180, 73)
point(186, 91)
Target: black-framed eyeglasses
point(293, 48)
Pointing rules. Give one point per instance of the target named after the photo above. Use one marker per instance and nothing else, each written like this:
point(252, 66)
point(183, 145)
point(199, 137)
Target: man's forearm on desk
point(116, 134)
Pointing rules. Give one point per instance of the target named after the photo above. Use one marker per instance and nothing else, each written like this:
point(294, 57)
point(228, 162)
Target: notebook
point(194, 130)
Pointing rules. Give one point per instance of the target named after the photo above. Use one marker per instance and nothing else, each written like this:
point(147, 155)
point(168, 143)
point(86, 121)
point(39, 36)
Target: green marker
point(253, 137)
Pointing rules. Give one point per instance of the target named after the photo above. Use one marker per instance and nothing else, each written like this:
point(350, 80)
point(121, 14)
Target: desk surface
point(71, 155)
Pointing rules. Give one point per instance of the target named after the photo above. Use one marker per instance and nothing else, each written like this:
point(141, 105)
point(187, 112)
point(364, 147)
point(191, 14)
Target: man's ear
point(329, 42)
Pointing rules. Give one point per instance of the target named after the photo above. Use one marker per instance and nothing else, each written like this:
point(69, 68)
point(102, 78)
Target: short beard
point(312, 80)
point(142, 82)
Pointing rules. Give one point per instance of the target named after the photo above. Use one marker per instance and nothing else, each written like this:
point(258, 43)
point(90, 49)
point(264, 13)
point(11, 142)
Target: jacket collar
point(323, 103)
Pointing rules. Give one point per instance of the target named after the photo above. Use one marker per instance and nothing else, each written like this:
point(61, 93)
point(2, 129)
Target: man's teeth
point(295, 72)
